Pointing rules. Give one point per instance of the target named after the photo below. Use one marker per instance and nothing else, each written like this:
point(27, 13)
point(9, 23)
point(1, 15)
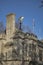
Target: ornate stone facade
point(17, 47)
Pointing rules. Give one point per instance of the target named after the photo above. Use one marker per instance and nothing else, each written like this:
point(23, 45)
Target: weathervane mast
point(33, 24)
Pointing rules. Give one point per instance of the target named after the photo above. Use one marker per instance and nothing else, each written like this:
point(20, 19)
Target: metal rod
point(20, 26)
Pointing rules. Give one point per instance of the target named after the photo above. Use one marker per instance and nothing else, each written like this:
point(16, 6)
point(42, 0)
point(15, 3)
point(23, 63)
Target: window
point(32, 48)
point(40, 55)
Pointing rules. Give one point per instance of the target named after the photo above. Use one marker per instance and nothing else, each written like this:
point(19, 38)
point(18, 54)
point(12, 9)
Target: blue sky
point(29, 9)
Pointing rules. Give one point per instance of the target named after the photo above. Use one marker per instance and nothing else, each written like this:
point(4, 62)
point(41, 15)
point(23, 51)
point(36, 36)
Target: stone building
point(18, 47)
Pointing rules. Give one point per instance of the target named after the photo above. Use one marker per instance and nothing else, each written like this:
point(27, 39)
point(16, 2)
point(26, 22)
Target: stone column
point(10, 25)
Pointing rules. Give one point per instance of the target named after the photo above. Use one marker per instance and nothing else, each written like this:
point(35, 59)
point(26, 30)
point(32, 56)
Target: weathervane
point(33, 24)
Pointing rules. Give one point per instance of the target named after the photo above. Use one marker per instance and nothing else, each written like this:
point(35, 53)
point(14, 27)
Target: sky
point(29, 9)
